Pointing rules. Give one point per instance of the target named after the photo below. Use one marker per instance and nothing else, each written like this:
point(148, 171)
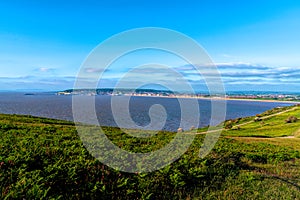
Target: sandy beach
point(222, 99)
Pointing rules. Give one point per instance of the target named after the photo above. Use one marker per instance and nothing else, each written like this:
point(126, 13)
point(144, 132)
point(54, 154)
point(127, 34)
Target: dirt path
point(275, 114)
point(268, 116)
point(291, 136)
point(265, 117)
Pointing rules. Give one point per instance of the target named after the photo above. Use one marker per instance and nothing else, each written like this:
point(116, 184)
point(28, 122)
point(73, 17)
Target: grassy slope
point(274, 126)
point(43, 158)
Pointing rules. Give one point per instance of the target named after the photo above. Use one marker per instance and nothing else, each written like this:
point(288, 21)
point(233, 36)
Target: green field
point(45, 159)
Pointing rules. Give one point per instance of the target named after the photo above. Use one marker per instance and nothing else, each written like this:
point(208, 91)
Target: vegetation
point(291, 119)
point(269, 124)
point(45, 159)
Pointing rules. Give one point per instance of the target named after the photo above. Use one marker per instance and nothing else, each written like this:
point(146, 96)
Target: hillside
point(255, 158)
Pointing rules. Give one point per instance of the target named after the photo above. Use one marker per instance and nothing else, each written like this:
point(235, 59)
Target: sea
point(54, 106)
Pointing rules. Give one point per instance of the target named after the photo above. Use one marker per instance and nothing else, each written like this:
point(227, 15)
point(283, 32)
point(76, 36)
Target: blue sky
point(255, 44)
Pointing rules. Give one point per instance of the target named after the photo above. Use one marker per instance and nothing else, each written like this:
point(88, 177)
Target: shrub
point(291, 119)
point(228, 124)
point(257, 119)
point(235, 128)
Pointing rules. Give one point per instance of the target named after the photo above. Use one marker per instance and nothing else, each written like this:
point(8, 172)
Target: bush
point(257, 119)
point(235, 128)
point(291, 119)
point(228, 124)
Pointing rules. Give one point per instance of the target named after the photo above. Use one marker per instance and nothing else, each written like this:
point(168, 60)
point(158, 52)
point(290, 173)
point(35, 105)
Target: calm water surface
point(60, 107)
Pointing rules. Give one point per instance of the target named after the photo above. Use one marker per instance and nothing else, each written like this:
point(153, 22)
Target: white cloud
point(44, 70)
point(240, 75)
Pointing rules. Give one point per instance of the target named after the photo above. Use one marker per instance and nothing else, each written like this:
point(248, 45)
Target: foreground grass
point(293, 143)
point(44, 159)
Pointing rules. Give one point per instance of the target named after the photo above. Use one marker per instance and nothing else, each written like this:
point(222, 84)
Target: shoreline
point(220, 98)
point(181, 97)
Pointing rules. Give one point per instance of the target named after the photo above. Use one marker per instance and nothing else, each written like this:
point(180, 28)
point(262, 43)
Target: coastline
point(221, 98)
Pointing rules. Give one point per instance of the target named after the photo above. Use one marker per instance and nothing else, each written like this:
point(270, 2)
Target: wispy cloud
point(242, 71)
point(45, 69)
point(237, 75)
point(36, 82)
point(93, 70)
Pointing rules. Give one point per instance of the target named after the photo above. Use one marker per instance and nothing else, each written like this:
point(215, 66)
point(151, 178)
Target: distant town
point(276, 96)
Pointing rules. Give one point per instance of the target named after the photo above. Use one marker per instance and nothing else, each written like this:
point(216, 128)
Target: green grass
point(270, 127)
point(293, 143)
point(45, 159)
